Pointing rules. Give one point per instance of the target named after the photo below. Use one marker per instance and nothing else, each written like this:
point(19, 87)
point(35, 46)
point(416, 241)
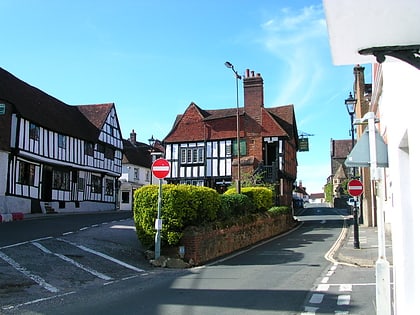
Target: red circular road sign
point(355, 187)
point(160, 168)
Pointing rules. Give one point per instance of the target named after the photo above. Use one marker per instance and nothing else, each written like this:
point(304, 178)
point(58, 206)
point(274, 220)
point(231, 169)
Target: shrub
point(182, 205)
point(279, 210)
point(233, 204)
point(261, 197)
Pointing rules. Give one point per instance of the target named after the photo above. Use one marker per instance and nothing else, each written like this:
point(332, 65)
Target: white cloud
point(299, 40)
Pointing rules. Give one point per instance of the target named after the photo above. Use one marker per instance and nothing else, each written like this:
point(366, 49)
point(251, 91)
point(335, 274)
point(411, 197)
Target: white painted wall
point(400, 124)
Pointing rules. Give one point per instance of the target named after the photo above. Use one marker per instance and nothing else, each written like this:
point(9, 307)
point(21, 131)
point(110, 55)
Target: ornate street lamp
point(237, 77)
point(350, 103)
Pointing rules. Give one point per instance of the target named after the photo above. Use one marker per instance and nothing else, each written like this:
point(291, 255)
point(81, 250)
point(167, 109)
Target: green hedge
point(182, 205)
point(261, 197)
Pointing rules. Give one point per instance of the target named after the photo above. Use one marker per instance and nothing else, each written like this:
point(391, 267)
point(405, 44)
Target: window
point(61, 179)
point(62, 141)
point(136, 173)
point(192, 155)
point(80, 184)
point(89, 148)
point(26, 173)
point(109, 153)
point(235, 147)
point(96, 185)
point(33, 131)
point(109, 187)
point(125, 197)
point(100, 147)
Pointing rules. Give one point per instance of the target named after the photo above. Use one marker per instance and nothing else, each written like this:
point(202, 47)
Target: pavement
point(367, 254)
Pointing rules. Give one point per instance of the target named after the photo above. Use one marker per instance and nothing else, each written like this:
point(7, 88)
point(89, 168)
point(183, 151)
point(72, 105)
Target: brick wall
point(204, 244)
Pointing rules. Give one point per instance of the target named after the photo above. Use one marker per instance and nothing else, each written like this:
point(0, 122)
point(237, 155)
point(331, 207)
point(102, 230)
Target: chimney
point(133, 139)
point(253, 94)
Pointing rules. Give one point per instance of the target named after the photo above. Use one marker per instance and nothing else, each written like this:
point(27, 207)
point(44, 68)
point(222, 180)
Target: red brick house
point(202, 149)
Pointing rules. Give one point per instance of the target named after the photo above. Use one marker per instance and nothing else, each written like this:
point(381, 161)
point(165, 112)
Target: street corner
point(9, 217)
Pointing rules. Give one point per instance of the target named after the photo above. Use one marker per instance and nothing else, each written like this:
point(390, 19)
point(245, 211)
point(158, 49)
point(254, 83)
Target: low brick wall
point(203, 244)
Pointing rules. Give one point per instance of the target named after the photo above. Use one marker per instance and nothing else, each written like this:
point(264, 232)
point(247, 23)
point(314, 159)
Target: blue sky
point(153, 58)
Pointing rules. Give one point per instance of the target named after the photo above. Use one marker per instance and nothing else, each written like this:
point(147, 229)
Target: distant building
point(55, 157)
point(202, 145)
point(136, 169)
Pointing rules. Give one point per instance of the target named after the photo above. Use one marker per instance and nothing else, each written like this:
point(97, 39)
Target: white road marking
point(11, 307)
point(73, 262)
point(27, 273)
point(346, 288)
point(323, 287)
point(105, 256)
point(316, 298)
point(343, 299)
point(325, 279)
point(310, 310)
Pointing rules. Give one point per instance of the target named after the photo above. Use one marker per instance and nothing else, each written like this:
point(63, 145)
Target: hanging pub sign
point(303, 144)
point(2, 109)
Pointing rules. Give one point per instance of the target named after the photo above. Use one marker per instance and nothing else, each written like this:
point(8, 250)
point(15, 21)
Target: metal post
point(238, 137)
point(356, 243)
point(383, 287)
point(158, 222)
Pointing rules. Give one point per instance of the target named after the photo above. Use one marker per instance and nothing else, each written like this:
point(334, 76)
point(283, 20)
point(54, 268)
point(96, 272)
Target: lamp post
point(350, 103)
point(151, 144)
point(237, 77)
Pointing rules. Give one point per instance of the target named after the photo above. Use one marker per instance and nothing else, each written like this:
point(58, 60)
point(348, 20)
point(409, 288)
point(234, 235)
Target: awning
point(360, 155)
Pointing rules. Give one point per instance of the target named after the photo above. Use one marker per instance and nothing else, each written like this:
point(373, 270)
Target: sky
point(153, 58)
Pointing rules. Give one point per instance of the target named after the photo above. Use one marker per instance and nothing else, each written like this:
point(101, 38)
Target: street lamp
point(151, 144)
point(237, 77)
point(350, 103)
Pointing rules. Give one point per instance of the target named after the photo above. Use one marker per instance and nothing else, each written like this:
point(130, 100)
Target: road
point(99, 269)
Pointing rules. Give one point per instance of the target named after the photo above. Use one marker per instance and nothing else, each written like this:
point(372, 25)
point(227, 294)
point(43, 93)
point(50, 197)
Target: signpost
point(355, 189)
point(160, 169)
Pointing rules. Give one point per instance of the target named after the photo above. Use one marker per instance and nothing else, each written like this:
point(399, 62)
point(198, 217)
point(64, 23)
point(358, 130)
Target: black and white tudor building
point(55, 157)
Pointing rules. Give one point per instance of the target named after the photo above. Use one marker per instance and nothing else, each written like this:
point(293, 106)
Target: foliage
point(182, 205)
point(279, 210)
point(328, 192)
point(233, 205)
point(261, 197)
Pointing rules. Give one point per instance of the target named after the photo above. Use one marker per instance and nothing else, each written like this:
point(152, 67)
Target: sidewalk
point(367, 255)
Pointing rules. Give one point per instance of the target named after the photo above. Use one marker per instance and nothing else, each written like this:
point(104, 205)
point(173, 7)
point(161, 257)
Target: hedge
point(182, 205)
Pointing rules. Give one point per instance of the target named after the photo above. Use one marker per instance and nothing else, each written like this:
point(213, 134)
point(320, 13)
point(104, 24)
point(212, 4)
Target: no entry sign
point(160, 168)
point(355, 187)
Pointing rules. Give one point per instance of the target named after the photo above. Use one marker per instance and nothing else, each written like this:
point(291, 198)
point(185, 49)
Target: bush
point(182, 205)
point(279, 210)
point(261, 197)
point(235, 205)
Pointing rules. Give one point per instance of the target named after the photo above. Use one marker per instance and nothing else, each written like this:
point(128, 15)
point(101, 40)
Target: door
point(46, 194)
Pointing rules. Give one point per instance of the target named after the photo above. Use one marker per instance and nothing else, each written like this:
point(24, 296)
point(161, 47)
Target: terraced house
point(55, 157)
point(202, 145)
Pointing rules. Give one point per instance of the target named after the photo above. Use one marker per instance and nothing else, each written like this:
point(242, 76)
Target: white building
point(55, 157)
point(388, 30)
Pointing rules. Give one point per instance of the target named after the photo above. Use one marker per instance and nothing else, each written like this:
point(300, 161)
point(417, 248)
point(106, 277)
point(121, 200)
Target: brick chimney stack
point(253, 94)
point(133, 137)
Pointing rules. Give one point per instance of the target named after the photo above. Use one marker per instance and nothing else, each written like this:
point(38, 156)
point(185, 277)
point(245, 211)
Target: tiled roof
point(137, 154)
point(340, 148)
point(47, 111)
point(223, 123)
